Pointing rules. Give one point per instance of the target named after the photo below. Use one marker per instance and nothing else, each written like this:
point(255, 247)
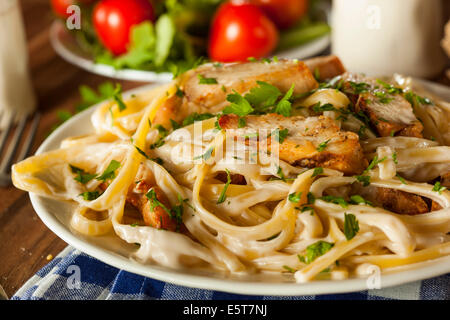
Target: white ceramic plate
point(66, 46)
point(114, 251)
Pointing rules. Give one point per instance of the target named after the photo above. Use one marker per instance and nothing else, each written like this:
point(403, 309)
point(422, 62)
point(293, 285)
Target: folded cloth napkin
point(101, 281)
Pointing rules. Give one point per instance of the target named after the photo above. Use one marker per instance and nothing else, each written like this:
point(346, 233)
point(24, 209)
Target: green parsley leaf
point(284, 107)
point(141, 151)
point(223, 195)
point(336, 200)
point(357, 199)
point(295, 197)
point(316, 250)
point(317, 171)
point(263, 96)
point(206, 155)
point(402, 180)
point(117, 96)
point(280, 135)
point(239, 105)
point(109, 172)
point(90, 195)
point(289, 269)
point(203, 80)
point(365, 180)
point(82, 176)
point(438, 187)
point(311, 198)
point(154, 202)
point(323, 145)
point(351, 226)
point(394, 157)
point(194, 117)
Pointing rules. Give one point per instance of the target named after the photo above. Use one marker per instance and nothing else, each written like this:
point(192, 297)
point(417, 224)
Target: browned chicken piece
point(241, 77)
point(325, 67)
point(157, 218)
point(389, 113)
point(401, 202)
point(445, 180)
point(170, 110)
point(235, 178)
point(310, 142)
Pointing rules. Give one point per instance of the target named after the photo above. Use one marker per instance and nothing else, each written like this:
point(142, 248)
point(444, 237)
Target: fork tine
point(6, 132)
point(14, 144)
point(29, 141)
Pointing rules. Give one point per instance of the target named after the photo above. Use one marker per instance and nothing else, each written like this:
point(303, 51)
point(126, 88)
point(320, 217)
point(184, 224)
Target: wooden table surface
point(25, 242)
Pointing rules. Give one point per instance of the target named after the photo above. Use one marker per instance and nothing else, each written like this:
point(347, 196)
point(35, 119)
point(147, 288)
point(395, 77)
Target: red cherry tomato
point(113, 20)
point(60, 7)
point(241, 30)
point(285, 13)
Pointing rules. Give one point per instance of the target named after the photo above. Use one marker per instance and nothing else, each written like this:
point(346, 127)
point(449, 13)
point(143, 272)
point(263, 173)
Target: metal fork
point(12, 153)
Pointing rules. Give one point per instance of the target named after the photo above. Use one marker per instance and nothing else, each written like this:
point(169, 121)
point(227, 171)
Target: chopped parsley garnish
point(175, 125)
point(415, 99)
point(323, 145)
point(194, 117)
point(206, 155)
point(284, 106)
point(374, 162)
point(357, 199)
point(263, 96)
point(325, 107)
point(90, 195)
point(158, 160)
point(306, 208)
point(203, 80)
point(223, 195)
point(365, 180)
point(317, 74)
point(336, 200)
point(141, 151)
point(360, 87)
point(117, 96)
point(289, 269)
point(390, 88)
point(394, 157)
point(317, 171)
point(295, 197)
point(351, 226)
point(82, 176)
point(311, 198)
point(154, 202)
point(280, 135)
point(438, 187)
point(315, 250)
point(242, 122)
point(109, 172)
point(238, 105)
point(179, 93)
point(402, 180)
point(162, 134)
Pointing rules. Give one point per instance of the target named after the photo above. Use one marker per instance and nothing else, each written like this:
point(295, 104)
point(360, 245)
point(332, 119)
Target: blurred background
point(59, 57)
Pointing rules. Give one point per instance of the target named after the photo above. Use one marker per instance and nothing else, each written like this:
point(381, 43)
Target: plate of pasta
point(278, 177)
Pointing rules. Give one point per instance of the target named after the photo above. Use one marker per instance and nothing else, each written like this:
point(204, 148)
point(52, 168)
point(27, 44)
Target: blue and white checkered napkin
point(101, 281)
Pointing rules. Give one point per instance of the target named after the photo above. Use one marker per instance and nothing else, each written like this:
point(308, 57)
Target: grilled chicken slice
point(158, 217)
point(310, 142)
point(401, 202)
point(389, 113)
point(325, 67)
point(241, 77)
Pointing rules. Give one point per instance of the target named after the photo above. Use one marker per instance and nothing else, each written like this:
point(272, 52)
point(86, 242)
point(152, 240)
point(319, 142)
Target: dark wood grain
point(25, 241)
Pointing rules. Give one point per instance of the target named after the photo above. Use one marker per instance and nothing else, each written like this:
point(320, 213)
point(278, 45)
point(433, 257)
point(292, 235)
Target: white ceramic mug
point(16, 91)
point(380, 37)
